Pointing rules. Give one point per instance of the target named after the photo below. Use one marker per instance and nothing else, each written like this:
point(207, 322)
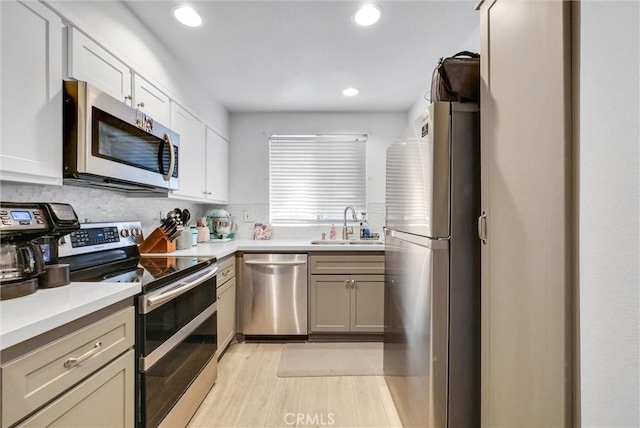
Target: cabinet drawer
point(227, 270)
point(31, 380)
point(224, 287)
point(347, 264)
point(104, 399)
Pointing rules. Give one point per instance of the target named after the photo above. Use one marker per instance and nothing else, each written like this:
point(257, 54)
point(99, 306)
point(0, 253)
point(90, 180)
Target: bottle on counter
point(332, 232)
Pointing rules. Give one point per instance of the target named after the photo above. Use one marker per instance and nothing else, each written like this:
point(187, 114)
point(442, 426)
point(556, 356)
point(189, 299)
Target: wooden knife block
point(157, 242)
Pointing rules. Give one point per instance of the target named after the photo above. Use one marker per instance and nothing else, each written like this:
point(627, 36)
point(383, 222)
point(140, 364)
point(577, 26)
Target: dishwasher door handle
point(258, 263)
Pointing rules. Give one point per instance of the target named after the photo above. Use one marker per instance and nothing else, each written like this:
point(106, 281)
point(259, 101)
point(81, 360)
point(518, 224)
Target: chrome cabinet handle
point(207, 193)
point(140, 104)
point(172, 158)
point(128, 97)
point(353, 283)
point(346, 283)
point(482, 228)
point(74, 361)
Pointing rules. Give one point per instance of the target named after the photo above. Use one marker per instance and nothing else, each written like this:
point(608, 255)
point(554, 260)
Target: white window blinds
point(314, 177)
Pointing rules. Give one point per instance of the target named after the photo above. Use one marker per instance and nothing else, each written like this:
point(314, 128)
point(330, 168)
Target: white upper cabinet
point(216, 168)
point(90, 62)
point(151, 100)
point(31, 88)
point(191, 153)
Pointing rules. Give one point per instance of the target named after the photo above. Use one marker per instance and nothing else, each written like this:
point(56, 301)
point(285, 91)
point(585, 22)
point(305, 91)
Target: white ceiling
point(300, 55)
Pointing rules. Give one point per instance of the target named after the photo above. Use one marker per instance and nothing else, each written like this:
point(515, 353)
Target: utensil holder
point(183, 241)
point(157, 242)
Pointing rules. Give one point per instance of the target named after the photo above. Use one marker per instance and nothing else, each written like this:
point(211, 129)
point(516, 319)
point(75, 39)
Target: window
point(313, 178)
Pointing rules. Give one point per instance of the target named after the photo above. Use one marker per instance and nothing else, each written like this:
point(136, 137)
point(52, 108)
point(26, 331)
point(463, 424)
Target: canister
point(194, 236)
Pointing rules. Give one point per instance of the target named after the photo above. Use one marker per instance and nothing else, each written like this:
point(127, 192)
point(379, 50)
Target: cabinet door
point(31, 88)
point(105, 399)
point(226, 314)
point(90, 62)
point(190, 154)
point(526, 195)
point(330, 303)
point(216, 168)
point(151, 100)
point(367, 303)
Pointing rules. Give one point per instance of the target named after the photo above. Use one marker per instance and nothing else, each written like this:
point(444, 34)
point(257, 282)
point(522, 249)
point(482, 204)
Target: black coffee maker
point(24, 227)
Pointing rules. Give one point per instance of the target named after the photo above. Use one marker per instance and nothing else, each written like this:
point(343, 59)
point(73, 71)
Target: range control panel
point(92, 237)
point(23, 219)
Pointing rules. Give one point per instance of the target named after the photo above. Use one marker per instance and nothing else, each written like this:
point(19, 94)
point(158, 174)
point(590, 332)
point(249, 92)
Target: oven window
point(165, 382)
point(165, 321)
point(121, 142)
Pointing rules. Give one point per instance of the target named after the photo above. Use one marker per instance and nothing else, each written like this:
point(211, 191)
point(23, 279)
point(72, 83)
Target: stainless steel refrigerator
point(432, 267)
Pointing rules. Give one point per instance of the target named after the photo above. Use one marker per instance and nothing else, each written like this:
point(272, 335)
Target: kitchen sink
point(347, 242)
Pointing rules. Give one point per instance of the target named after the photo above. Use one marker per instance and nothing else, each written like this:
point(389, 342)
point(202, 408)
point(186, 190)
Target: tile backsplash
point(375, 215)
point(97, 205)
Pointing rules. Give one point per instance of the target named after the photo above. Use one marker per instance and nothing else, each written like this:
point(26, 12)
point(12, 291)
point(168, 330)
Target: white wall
point(249, 161)
point(249, 148)
point(609, 213)
point(114, 26)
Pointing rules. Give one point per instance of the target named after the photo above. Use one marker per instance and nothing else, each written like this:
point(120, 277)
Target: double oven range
point(176, 316)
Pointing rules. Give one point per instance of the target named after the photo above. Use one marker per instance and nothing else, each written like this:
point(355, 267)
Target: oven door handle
point(151, 303)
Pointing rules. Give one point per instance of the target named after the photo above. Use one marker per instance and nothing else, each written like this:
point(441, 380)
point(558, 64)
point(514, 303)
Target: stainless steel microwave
point(110, 144)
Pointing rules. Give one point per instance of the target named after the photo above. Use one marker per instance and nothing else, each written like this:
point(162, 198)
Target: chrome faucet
point(345, 229)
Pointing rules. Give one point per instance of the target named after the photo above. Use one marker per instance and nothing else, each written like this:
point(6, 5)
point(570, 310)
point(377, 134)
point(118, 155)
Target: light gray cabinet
point(226, 294)
point(105, 399)
point(527, 199)
point(31, 87)
point(346, 302)
point(71, 368)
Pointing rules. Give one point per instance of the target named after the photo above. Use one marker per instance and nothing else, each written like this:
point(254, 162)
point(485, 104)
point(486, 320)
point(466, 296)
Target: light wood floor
point(248, 393)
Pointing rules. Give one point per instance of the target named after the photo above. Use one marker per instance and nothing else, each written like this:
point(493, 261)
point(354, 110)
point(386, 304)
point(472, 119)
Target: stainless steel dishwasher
point(274, 294)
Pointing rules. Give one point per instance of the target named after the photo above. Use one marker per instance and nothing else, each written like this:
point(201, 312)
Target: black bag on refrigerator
point(457, 78)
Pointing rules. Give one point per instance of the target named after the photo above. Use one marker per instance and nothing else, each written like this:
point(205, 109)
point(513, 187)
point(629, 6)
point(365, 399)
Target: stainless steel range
point(176, 316)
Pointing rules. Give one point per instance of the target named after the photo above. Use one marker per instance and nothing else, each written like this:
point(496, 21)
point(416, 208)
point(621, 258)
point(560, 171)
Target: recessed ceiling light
point(350, 92)
point(188, 16)
point(367, 14)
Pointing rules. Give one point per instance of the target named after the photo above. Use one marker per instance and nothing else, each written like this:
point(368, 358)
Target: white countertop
point(25, 317)
point(223, 249)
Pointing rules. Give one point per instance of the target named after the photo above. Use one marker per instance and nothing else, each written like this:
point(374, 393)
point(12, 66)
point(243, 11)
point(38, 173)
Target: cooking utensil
point(186, 216)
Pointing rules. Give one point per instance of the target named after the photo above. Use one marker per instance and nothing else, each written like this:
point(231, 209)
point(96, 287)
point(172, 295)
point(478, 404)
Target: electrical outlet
point(248, 216)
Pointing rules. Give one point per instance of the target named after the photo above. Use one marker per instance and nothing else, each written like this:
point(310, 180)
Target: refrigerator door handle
point(482, 228)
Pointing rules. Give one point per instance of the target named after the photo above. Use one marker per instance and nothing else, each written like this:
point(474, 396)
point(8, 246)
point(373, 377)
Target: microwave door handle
point(172, 158)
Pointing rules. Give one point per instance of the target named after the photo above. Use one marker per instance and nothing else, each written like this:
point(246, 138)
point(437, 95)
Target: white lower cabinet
point(31, 88)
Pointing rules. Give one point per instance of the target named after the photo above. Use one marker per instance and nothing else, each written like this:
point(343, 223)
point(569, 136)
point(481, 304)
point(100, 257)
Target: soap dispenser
point(332, 232)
